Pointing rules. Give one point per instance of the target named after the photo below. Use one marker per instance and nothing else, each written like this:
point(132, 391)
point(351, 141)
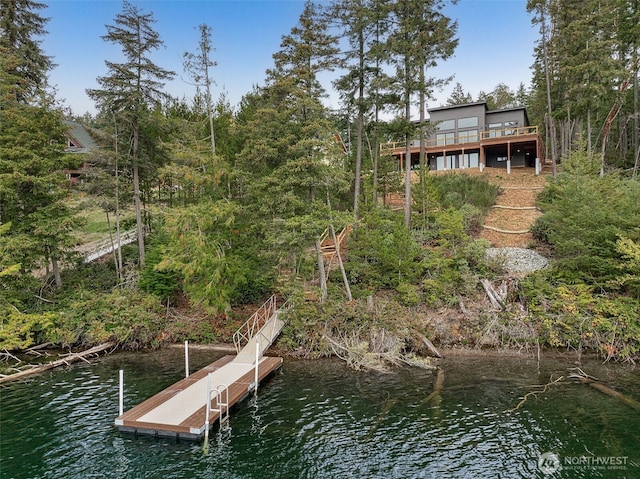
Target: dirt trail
point(509, 221)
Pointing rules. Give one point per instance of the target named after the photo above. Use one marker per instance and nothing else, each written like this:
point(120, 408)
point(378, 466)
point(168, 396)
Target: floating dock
point(180, 410)
point(189, 408)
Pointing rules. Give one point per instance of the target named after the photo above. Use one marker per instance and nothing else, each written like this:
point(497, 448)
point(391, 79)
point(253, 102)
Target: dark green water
point(321, 420)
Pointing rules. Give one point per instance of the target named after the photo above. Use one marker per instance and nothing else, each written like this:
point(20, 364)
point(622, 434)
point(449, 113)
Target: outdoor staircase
point(509, 222)
point(329, 249)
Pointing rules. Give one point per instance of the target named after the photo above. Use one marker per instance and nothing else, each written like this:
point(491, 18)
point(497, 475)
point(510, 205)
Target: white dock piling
point(186, 359)
point(256, 368)
point(121, 394)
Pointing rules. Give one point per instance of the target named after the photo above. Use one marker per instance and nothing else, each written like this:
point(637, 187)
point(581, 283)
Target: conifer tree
point(421, 36)
point(364, 24)
point(31, 145)
point(458, 96)
point(132, 90)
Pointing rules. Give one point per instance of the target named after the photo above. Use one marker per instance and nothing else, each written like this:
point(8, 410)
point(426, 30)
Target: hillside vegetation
point(229, 203)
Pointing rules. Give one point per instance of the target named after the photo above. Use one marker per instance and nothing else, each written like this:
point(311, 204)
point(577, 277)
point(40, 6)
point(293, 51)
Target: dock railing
point(257, 320)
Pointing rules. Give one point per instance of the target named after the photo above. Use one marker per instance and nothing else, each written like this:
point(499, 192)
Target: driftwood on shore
point(65, 361)
point(496, 298)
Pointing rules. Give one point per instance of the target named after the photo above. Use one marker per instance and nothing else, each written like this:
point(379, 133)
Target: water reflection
point(319, 419)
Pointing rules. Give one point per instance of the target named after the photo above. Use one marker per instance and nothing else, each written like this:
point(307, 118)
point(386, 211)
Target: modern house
point(472, 136)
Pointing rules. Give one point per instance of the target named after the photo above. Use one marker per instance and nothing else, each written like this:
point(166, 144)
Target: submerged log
point(71, 358)
point(584, 378)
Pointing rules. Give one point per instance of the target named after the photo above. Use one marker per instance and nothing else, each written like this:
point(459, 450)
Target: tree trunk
point(56, 272)
point(136, 198)
point(552, 129)
point(60, 362)
point(321, 273)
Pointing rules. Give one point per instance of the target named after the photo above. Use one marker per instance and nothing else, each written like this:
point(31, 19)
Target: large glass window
point(468, 122)
point(507, 127)
point(445, 139)
point(446, 125)
point(468, 136)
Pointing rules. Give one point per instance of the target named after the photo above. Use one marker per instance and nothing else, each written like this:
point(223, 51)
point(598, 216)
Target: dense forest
point(229, 203)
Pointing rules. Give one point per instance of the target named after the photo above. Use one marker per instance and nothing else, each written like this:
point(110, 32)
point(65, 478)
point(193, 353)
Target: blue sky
point(496, 43)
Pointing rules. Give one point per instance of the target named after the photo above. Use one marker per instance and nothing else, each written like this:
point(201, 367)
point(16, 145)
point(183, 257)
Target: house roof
point(463, 105)
point(80, 137)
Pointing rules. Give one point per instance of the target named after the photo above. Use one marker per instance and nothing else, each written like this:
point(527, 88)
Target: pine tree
point(363, 23)
point(421, 36)
point(31, 145)
point(132, 90)
point(197, 66)
point(458, 96)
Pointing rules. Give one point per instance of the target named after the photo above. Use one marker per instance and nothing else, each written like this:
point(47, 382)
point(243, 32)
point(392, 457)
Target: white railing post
point(207, 406)
point(256, 368)
point(186, 359)
point(121, 394)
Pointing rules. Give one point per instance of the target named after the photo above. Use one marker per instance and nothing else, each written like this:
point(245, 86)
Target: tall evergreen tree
point(31, 145)
point(421, 36)
point(290, 157)
point(132, 89)
point(23, 63)
point(458, 96)
point(585, 66)
point(197, 66)
point(363, 23)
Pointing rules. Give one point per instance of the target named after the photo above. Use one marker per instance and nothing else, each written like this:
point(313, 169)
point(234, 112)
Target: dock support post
point(207, 406)
point(121, 394)
point(186, 359)
point(537, 166)
point(256, 369)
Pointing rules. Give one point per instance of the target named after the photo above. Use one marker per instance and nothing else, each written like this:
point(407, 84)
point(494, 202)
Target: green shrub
point(382, 253)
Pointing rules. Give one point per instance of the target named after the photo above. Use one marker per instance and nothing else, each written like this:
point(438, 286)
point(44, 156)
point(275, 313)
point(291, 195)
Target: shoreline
point(446, 352)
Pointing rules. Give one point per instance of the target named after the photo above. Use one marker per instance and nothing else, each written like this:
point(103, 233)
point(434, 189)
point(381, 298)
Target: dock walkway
point(181, 409)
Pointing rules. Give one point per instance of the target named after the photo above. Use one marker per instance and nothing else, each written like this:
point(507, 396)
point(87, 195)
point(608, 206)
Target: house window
point(468, 136)
point(495, 126)
point(446, 125)
point(472, 160)
point(508, 130)
point(468, 122)
point(445, 139)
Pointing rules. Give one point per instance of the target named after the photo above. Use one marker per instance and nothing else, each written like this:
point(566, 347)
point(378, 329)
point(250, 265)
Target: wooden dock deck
point(179, 411)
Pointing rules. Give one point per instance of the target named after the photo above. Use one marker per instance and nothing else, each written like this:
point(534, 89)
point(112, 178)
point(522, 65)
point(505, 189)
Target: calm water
point(321, 420)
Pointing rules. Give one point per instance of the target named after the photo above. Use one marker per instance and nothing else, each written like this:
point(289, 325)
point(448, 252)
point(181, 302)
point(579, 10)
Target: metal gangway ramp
point(181, 409)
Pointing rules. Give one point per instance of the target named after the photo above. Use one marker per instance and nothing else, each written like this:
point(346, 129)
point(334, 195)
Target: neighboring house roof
point(78, 138)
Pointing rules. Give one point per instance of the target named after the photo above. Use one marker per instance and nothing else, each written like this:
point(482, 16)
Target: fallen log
point(584, 378)
point(60, 362)
point(429, 345)
point(495, 298)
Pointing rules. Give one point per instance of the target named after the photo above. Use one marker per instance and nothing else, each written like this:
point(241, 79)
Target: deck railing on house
point(463, 138)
